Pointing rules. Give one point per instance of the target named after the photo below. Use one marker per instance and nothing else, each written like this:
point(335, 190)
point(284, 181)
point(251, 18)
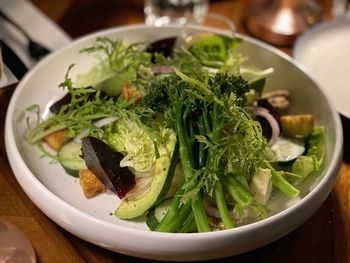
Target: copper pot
point(279, 22)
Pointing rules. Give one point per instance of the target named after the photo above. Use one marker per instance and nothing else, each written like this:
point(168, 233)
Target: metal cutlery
point(12, 61)
point(35, 49)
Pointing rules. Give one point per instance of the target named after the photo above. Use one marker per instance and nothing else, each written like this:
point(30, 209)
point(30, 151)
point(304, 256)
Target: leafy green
point(119, 62)
point(315, 153)
point(138, 143)
point(316, 146)
point(303, 166)
point(213, 50)
point(86, 106)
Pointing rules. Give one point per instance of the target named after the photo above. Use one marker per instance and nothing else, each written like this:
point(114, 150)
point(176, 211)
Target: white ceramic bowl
point(60, 198)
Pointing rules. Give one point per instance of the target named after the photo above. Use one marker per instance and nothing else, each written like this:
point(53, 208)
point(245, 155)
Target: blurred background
point(65, 12)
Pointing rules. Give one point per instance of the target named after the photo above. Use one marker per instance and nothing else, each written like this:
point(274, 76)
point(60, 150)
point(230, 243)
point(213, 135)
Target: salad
point(182, 131)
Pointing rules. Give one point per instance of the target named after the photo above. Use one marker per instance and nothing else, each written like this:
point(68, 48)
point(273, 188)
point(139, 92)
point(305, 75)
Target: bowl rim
point(15, 157)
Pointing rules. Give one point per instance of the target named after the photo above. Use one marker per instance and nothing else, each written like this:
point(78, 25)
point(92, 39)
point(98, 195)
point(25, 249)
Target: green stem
point(199, 214)
point(217, 123)
point(189, 225)
point(40, 132)
point(221, 203)
point(206, 121)
point(238, 192)
point(184, 154)
point(202, 151)
point(199, 85)
point(194, 82)
point(215, 116)
point(171, 213)
point(35, 135)
point(281, 183)
point(177, 221)
point(190, 141)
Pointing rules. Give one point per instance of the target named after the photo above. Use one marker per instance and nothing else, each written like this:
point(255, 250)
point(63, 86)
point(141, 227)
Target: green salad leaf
point(314, 157)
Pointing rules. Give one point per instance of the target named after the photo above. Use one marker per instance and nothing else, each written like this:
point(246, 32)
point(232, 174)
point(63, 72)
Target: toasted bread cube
point(57, 139)
point(297, 125)
point(90, 184)
point(128, 92)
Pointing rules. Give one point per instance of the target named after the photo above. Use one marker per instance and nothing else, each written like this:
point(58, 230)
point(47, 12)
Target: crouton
point(297, 125)
point(90, 184)
point(128, 92)
point(57, 139)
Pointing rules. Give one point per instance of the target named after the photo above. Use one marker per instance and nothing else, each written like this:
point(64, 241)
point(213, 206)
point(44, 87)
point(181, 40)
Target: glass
point(14, 245)
point(180, 12)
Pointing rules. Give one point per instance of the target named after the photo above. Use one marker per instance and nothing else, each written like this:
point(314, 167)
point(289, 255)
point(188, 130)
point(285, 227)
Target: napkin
point(35, 23)
point(7, 78)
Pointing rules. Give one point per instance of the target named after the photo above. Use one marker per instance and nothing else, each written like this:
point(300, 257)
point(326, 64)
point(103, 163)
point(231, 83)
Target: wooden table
point(325, 237)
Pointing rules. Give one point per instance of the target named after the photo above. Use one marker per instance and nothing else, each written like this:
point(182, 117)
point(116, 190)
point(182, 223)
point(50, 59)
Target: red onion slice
point(262, 112)
point(98, 124)
point(163, 69)
point(142, 185)
point(105, 121)
point(211, 210)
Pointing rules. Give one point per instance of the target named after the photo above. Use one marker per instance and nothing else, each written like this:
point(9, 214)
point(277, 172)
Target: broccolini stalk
point(219, 142)
point(189, 225)
point(175, 220)
point(177, 99)
point(199, 213)
point(222, 206)
point(226, 125)
point(211, 125)
point(281, 183)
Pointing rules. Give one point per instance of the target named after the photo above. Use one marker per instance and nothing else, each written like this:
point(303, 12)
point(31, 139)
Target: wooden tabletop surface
point(325, 237)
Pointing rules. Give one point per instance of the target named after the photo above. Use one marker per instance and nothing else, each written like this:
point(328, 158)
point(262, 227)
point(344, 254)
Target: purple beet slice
point(66, 99)
point(104, 162)
point(163, 46)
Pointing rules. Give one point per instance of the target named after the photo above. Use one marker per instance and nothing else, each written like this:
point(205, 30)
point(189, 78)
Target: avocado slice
point(163, 174)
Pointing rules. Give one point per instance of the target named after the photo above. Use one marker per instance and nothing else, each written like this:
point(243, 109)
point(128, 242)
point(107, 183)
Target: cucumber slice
point(74, 173)
point(287, 149)
point(151, 220)
point(70, 157)
point(161, 209)
point(156, 214)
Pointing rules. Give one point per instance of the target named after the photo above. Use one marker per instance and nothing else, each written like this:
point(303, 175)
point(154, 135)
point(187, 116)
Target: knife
point(12, 61)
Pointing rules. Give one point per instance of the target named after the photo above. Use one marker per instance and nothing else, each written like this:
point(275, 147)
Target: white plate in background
point(325, 52)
